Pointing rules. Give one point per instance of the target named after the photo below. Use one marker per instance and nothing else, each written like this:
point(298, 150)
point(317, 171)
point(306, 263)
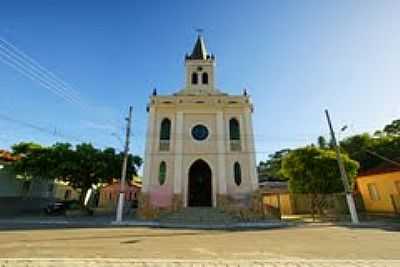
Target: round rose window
point(199, 132)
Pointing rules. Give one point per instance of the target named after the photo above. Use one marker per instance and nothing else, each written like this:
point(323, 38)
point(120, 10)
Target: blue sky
point(296, 58)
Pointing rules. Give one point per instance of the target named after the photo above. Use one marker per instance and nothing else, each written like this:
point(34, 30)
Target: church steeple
point(199, 50)
point(200, 69)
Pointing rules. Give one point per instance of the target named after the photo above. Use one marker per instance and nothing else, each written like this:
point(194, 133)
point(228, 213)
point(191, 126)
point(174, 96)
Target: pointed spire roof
point(199, 50)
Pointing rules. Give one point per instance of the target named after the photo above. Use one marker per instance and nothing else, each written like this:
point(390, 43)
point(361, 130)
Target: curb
point(152, 224)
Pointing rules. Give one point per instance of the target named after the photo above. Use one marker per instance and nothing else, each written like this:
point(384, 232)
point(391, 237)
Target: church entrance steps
point(198, 215)
point(202, 216)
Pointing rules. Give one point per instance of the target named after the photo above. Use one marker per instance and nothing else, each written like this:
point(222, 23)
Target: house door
point(200, 188)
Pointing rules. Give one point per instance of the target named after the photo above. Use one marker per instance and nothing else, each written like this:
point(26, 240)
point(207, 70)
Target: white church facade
point(200, 146)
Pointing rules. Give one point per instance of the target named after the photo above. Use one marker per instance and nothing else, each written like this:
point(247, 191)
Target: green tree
point(81, 167)
point(393, 128)
point(358, 147)
point(271, 169)
point(34, 163)
point(315, 171)
point(322, 143)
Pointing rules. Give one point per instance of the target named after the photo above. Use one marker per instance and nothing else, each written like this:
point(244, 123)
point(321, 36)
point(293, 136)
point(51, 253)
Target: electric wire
point(30, 68)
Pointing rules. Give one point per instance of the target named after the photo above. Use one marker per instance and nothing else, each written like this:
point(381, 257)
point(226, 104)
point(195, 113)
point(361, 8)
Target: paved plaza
point(309, 245)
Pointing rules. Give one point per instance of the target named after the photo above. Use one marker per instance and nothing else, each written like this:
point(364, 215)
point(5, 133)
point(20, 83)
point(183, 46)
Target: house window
point(237, 173)
point(397, 185)
point(373, 192)
point(162, 173)
point(109, 196)
point(195, 78)
point(67, 194)
point(165, 134)
point(204, 78)
point(234, 134)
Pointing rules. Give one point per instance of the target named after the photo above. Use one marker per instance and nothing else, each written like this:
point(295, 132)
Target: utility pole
point(347, 189)
point(121, 198)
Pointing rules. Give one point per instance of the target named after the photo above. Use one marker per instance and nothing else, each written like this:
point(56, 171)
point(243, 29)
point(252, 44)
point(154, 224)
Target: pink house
point(109, 194)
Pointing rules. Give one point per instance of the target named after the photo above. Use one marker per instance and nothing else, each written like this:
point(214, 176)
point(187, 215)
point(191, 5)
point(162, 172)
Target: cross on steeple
point(199, 31)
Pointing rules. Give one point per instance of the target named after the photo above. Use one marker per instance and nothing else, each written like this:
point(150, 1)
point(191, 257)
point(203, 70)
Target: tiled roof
point(7, 156)
point(379, 170)
point(274, 187)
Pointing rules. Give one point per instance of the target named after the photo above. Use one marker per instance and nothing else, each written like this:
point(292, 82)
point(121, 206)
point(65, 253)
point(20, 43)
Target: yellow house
point(380, 190)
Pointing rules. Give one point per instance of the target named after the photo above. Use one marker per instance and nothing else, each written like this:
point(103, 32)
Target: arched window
point(234, 129)
point(195, 78)
point(237, 173)
point(165, 131)
point(165, 134)
point(234, 134)
point(162, 173)
point(204, 78)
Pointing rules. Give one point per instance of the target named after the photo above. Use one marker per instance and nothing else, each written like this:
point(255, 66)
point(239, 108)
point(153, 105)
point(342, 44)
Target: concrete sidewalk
point(59, 222)
point(41, 222)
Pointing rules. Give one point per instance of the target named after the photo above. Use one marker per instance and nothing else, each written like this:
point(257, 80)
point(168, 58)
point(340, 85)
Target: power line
point(39, 128)
point(383, 157)
point(164, 154)
point(13, 63)
point(40, 67)
point(226, 139)
point(30, 68)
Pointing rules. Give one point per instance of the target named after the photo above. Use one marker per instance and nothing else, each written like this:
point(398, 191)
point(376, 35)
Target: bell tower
point(199, 67)
point(199, 144)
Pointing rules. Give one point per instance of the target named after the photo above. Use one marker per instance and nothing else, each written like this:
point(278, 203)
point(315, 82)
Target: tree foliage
point(82, 166)
point(271, 169)
point(392, 128)
point(359, 148)
point(322, 143)
point(315, 171)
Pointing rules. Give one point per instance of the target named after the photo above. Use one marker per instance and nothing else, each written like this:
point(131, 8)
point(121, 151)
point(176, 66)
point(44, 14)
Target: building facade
point(380, 190)
point(200, 146)
point(109, 195)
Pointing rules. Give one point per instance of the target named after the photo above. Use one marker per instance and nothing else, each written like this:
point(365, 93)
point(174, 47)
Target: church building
point(200, 146)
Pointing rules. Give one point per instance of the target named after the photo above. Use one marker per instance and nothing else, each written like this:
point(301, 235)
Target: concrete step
point(199, 215)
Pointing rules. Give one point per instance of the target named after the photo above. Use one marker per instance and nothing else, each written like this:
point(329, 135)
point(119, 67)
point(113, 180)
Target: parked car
point(60, 207)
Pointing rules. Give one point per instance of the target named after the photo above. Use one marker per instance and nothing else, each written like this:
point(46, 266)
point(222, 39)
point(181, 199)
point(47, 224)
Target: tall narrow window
point(237, 173)
point(234, 134)
point(204, 78)
point(373, 192)
point(195, 78)
point(162, 173)
point(165, 134)
point(397, 184)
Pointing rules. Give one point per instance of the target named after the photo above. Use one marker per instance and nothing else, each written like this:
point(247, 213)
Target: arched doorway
point(200, 189)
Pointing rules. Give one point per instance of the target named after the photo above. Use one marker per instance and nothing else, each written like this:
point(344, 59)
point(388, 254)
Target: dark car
point(59, 207)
